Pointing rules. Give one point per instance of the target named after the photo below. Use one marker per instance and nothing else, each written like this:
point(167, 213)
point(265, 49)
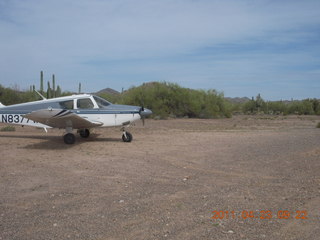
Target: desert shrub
point(110, 97)
point(8, 129)
point(304, 107)
point(10, 96)
point(277, 107)
point(169, 99)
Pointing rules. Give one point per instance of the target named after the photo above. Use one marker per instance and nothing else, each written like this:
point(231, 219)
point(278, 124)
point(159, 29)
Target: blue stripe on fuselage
point(77, 111)
point(103, 111)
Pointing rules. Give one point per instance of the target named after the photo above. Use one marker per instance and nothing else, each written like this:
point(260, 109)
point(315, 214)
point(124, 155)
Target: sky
point(238, 47)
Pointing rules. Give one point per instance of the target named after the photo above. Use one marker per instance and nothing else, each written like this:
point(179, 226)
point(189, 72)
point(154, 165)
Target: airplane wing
point(59, 118)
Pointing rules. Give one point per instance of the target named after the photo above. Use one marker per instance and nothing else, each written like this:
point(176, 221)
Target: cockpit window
point(101, 102)
point(85, 103)
point(66, 104)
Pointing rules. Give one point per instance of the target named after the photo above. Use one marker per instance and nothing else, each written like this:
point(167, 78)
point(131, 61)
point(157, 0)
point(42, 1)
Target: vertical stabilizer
point(1, 105)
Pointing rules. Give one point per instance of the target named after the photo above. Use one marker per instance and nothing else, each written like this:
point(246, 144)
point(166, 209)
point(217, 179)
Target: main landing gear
point(84, 133)
point(70, 138)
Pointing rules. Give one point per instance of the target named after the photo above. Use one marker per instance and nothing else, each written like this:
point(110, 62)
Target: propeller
point(142, 109)
point(143, 112)
point(142, 115)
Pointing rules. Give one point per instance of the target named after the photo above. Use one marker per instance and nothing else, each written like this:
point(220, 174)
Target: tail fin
point(1, 105)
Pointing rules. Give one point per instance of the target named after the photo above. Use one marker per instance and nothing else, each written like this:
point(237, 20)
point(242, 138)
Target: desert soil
point(167, 183)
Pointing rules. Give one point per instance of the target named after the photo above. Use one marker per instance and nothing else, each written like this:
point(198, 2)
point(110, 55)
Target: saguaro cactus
point(53, 86)
point(58, 92)
point(49, 91)
point(41, 82)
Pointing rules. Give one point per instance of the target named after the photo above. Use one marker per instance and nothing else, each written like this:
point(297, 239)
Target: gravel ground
point(178, 179)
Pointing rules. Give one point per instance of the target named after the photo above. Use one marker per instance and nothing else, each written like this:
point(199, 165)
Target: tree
point(168, 99)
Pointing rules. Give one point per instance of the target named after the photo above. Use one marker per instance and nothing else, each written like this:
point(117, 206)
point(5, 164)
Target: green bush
point(304, 107)
point(168, 99)
point(8, 129)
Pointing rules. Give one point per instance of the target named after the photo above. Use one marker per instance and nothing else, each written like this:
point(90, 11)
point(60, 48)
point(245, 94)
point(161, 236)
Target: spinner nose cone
point(145, 112)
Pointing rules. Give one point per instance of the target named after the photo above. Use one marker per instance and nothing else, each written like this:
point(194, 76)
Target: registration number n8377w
point(14, 118)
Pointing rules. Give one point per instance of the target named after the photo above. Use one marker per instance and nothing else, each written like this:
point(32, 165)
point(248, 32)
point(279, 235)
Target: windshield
point(101, 102)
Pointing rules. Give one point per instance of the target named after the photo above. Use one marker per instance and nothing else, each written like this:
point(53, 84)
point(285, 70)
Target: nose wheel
point(126, 136)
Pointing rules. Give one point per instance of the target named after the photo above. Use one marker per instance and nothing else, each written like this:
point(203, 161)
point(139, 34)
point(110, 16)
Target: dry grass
point(8, 129)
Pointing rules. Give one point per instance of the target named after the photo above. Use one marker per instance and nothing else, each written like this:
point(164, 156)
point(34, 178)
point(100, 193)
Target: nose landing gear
point(126, 136)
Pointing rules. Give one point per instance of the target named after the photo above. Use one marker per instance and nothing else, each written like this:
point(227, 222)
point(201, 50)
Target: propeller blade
point(142, 115)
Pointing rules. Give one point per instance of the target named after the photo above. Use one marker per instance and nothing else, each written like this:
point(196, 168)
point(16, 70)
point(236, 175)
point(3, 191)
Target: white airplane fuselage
point(110, 116)
point(83, 111)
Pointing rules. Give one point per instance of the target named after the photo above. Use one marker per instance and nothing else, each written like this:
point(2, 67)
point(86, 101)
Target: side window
point(66, 104)
point(85, 103)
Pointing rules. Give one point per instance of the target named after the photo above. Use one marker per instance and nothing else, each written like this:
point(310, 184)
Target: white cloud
point(84, 39)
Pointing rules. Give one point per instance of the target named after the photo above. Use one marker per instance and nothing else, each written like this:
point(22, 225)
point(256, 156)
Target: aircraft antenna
point(43, 98)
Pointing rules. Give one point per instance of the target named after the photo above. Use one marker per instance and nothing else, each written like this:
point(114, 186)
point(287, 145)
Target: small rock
point(231, 232)
point(121, 201)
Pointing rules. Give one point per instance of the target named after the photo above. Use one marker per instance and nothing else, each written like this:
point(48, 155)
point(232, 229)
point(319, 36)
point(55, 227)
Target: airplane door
point(109, 120)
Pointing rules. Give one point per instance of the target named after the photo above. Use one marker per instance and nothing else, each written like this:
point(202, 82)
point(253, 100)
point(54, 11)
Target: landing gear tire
point(127, 137)
point(84, 133)
point(69, 138)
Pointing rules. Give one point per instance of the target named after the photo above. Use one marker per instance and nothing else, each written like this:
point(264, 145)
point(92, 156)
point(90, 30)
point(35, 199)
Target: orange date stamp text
point(262, 214)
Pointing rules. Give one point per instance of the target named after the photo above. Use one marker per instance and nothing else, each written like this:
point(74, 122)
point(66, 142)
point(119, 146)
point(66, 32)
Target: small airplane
point(82, 112)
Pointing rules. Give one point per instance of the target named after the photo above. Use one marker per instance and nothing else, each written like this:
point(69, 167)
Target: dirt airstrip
point(248, 177)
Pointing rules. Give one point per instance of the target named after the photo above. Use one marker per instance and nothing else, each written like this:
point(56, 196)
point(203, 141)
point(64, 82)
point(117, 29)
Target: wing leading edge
point(58, 118)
